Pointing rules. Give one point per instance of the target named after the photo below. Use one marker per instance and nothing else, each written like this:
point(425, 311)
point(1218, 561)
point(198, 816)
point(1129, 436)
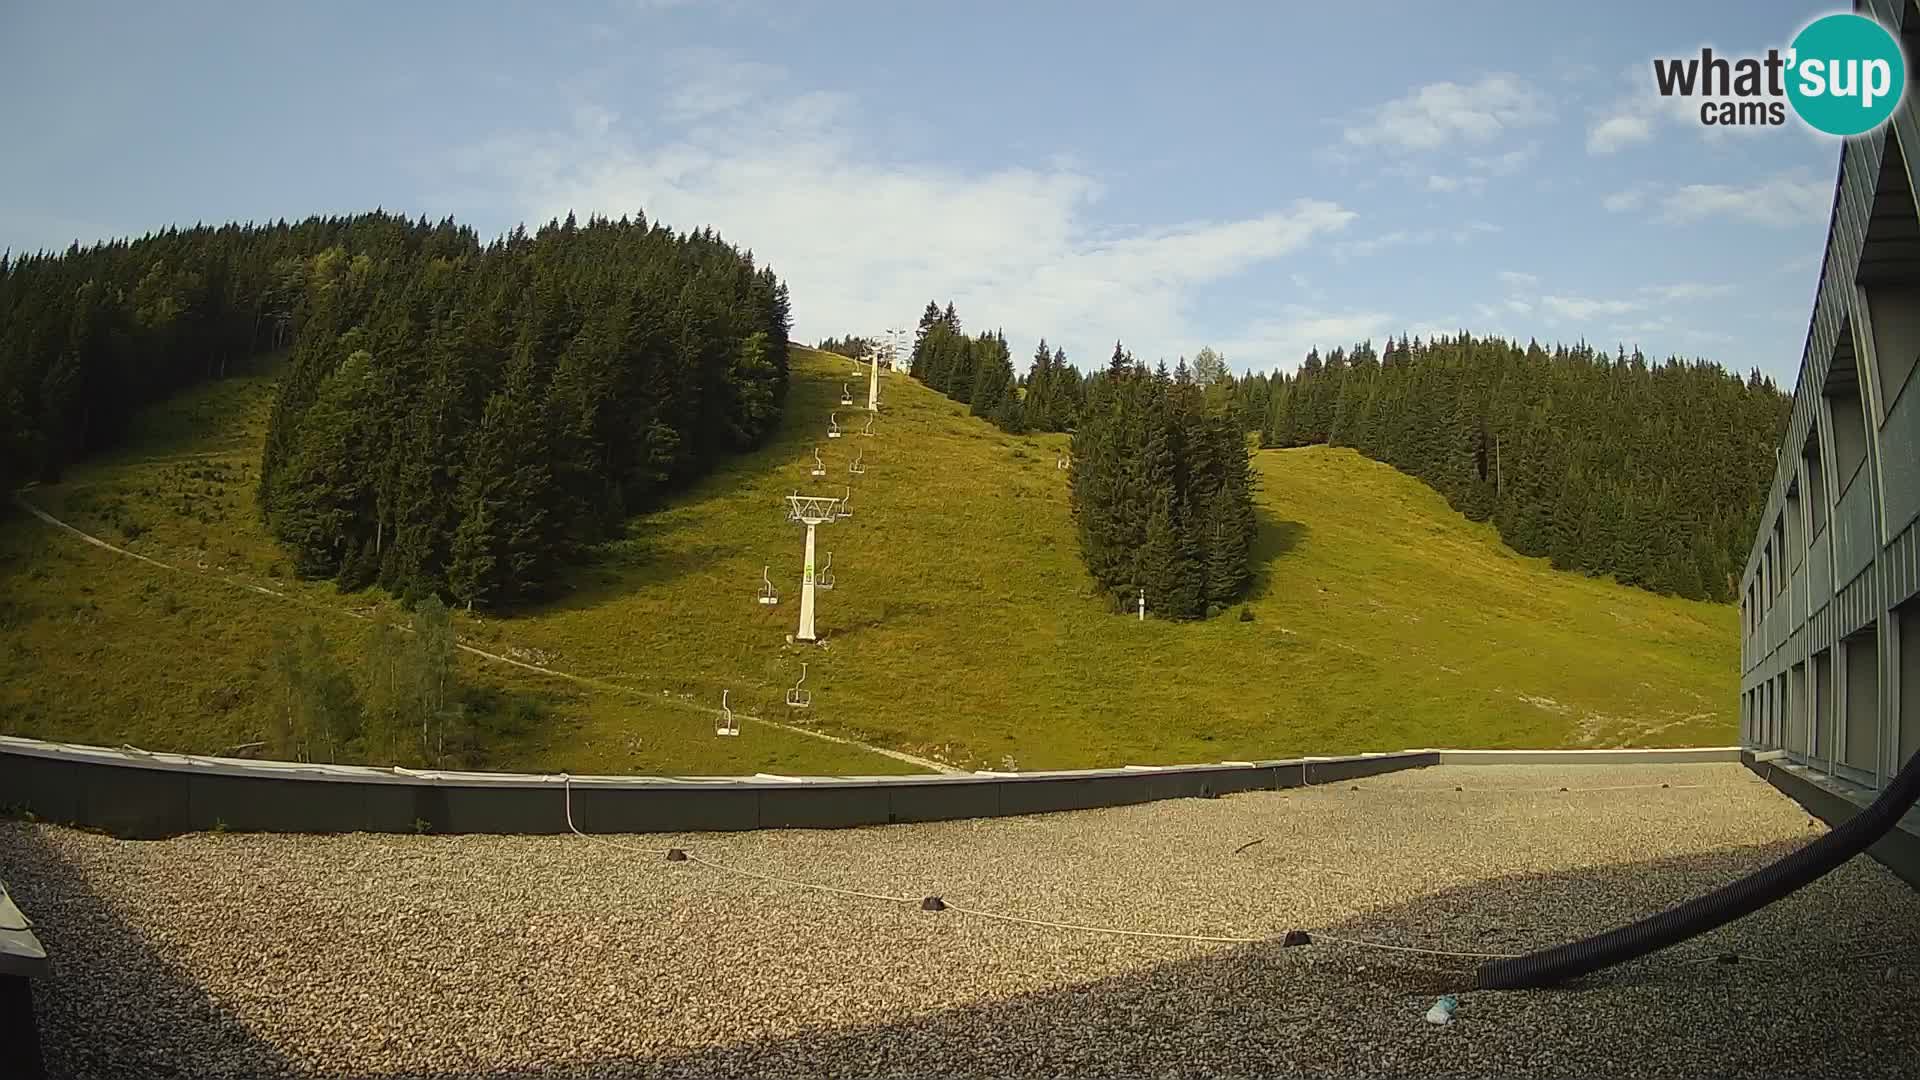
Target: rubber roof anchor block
point(674, 854)
point(933, 903)
point(1296, 937)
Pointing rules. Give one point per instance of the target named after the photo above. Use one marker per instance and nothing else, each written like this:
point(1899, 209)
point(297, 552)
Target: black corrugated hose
point(1717, 908)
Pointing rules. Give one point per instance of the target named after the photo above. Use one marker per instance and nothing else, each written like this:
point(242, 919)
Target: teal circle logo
point(1846, 74)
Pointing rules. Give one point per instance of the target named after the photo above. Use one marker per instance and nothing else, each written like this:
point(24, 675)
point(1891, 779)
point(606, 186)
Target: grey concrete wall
point(154, 795)
point(131, 794)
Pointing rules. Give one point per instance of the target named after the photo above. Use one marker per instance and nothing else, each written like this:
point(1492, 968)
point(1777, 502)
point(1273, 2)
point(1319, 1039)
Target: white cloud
point(1618, 131)
point(1688, 290)
point(1282, 341)
point(1622, 201)
point(1639, 112)
point(1446, 114)
point(1505, 164)
point(1580, 307)
point(1517, 279)
point(1780, 201)
point(865, 243)
point(1373, 245)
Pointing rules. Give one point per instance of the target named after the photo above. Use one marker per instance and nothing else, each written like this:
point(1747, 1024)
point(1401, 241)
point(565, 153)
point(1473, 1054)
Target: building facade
point(1830, 619)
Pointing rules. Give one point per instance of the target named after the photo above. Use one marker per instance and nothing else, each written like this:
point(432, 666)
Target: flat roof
point(232, 954)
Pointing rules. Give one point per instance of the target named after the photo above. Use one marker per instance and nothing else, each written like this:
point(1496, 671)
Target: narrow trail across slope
point(897, 755)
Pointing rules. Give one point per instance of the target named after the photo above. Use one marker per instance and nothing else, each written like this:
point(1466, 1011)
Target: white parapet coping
point(246, 767)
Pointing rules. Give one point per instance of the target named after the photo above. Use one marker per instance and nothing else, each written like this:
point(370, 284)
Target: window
point(1816, 487)
point(1860, 742)
point(1796, 532)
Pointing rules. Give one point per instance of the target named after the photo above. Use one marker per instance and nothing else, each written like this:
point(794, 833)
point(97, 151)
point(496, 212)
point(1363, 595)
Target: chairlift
point(846, 395)
point(819, 467)
point(798, 698)
point(824, 579)
point(833, 425)
point(728, 725)
point(856, 468)
point(844, 512)
point(868, 430)
point(1064, 462)
point(768, 594)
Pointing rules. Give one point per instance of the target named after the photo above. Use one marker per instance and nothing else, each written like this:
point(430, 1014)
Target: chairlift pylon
point(798, 698)
point(819, 467)
point(833, 425)
point(768, 594)
point(856, 468)
point(824, 579)
point(846, 395)
point(728, 725)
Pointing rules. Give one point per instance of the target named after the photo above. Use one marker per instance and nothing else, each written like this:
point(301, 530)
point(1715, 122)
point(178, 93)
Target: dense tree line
point(463, 419)
point(89, 335)
point(978, 372)
point(1162, 490)
point(454, 418)
point(1653, 473)
point(852, 346)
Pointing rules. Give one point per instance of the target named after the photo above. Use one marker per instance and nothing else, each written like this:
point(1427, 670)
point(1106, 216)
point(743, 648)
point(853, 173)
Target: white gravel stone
point(249, 955)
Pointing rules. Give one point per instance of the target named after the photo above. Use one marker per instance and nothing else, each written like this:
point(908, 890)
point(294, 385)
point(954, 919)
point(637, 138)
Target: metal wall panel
point(1900, 456)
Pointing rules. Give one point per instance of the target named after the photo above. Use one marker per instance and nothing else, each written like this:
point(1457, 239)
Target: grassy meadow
point(962, 626)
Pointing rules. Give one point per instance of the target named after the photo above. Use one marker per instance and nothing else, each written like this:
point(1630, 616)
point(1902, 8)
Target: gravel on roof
point(245, 955)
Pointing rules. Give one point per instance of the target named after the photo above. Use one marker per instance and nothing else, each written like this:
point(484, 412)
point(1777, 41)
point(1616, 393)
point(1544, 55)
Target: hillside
point(963, 626)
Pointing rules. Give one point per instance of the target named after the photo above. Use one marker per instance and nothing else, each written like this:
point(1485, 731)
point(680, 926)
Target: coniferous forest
point(1654, 473)
point(454, 418)
point(1162, 485)
point(1162, 490)
point(978, 372)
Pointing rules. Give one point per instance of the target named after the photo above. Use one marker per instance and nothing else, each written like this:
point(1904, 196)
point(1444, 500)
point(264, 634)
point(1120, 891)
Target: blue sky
point(1257, 177)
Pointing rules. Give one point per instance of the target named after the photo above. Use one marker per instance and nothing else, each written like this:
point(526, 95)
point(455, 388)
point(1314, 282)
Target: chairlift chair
point(824, 579)
point(798, 698)
point(1064, 462)
point(833, 425)
point(846, 395)
point(819, 467)
point(868, 430)
point(768, 594)
point(856, 468)
point(844, 512)
point(728, 725)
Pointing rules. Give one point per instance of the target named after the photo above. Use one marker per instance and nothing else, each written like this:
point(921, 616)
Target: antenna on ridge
point(819, 467)
point(768, 594)
point(798, 698)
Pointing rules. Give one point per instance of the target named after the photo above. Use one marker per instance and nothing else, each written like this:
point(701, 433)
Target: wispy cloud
point(1448, 114)
point(1778, 201)
point(864, 243)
